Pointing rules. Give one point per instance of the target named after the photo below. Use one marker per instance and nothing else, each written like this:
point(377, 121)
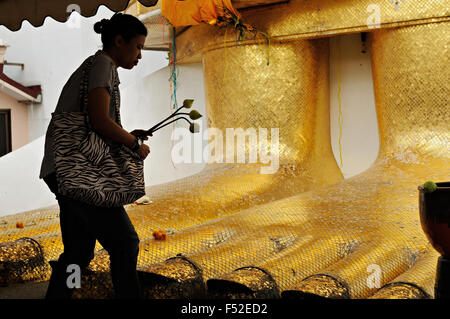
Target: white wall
point(20, 186)
point(147, 101)
point(359, 139)
point(53, 51)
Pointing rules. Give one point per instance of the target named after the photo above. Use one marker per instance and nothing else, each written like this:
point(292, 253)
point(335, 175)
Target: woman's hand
point(143, 151)
point(141, 133)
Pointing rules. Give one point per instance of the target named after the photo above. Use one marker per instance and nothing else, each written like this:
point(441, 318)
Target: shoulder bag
point(87, 168)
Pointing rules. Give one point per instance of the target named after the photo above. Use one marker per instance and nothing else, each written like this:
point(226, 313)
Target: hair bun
point(100, 26)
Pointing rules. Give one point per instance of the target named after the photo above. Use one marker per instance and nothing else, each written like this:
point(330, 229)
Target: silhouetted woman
point(82, 224)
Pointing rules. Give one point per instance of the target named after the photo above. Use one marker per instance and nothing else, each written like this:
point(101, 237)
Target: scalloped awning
point(14, 12)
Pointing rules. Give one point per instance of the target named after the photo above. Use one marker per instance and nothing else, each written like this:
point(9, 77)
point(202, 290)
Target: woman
point(82, 224)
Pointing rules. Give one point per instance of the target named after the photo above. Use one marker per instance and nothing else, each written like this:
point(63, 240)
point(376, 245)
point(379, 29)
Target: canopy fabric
point(14, 12)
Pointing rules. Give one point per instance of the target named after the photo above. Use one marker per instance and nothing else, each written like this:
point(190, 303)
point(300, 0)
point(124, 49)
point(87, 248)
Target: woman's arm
point(98, 110)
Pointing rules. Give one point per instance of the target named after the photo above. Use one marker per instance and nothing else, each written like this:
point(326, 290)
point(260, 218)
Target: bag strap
point(116, 97)
point(84, 86)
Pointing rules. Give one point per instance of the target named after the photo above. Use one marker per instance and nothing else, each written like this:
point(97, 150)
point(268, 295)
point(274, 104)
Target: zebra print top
point(103, 74)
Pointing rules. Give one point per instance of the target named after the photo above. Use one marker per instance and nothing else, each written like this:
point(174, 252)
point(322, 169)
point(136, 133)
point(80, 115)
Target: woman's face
point(129, 53)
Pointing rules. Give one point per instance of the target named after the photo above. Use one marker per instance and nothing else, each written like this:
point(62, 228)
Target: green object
point(187, 103)
point(194, 128)
point(194, 115)
point(429, 187)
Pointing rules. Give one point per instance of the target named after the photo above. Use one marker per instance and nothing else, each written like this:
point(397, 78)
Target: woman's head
point(123, 37)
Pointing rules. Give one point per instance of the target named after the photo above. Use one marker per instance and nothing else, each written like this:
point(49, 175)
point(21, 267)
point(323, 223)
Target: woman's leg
point(116, 234)
point(79, 244)
point(81, 225)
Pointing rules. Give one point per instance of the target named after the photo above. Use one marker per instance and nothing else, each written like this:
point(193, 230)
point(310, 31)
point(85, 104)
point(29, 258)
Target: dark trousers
point(81, 225)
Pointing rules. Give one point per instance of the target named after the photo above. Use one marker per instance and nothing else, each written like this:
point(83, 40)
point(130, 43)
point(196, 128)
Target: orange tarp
point(193, 12)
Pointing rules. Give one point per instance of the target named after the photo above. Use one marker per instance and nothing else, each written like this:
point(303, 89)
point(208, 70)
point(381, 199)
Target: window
point(5, 132)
